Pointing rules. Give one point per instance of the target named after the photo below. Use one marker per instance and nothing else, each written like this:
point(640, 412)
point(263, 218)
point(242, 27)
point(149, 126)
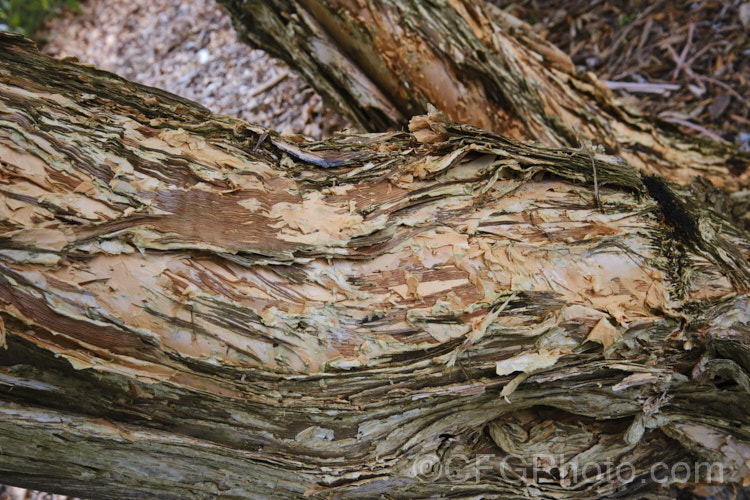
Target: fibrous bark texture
point(380, 62)
point(193, 306)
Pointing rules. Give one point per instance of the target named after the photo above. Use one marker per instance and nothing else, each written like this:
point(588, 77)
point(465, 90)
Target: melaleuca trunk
point(193, 306)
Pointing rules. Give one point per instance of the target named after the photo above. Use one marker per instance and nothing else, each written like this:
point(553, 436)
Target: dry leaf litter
point(686, 61)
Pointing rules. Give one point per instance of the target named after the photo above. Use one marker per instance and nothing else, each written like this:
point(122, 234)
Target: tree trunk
point(193, 306)
point(381, 62)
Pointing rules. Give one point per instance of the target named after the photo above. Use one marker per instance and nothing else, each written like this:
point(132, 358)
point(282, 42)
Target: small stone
point(745, 16)
point(203, 56)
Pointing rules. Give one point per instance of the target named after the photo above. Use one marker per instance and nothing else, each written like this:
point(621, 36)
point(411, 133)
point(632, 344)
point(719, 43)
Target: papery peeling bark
point(194, 306)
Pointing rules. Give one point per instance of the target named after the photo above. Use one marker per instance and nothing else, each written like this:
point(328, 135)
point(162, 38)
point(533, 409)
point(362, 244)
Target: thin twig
point(269, 84)
point(645, 34)
point(681, 61)
point(260, 140)
point(701, 52)
point(597, 201)
point(687, 69)
point(625, 32)
point(734, 117)
point(725, 86)
point(645, 88)
point(702, 130)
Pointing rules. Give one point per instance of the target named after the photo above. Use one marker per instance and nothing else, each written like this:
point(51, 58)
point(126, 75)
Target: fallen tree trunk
point(381, 62)
point(193, 306)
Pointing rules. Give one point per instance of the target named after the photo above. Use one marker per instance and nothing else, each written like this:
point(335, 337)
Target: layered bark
point(195, 306)
point(381, 62)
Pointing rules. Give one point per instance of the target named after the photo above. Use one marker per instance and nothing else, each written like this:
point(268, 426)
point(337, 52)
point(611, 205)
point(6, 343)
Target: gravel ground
point(12, 493)
point(190, 49)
